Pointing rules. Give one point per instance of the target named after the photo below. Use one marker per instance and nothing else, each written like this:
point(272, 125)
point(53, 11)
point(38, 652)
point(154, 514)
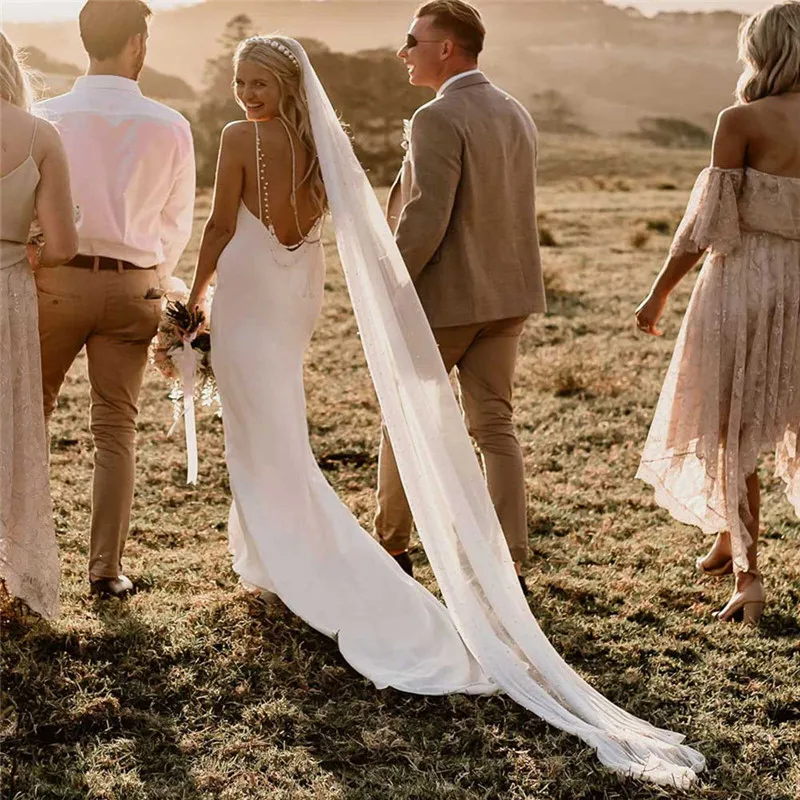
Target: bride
point(278, 173)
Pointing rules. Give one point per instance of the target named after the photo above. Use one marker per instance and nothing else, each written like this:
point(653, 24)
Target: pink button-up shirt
point(132, 168)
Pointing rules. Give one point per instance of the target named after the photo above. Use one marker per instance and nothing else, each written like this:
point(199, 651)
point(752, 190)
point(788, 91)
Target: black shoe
point(524, 586)
point(121, 586)
point(404, 560)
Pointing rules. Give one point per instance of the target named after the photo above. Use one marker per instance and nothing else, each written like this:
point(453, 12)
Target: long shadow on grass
point(80, 704)
point(386, 744)
point(253, 690)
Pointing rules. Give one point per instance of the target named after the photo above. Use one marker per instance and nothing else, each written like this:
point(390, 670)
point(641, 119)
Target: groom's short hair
point(459, 18)
point(108, 25)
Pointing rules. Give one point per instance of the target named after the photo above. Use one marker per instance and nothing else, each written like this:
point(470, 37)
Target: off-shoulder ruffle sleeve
point(712, 216)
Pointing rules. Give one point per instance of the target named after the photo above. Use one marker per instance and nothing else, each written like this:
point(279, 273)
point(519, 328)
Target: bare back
point(773, 135)
point(277, 182)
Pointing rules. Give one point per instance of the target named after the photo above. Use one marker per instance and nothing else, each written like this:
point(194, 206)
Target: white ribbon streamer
point(187, 364)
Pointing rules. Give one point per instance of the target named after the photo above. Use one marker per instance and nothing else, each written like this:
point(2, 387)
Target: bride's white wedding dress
point(291, 535)
point(289, 532)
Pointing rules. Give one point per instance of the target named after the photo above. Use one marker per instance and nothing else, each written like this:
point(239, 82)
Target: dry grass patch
point(192, 690)
point(639, 239)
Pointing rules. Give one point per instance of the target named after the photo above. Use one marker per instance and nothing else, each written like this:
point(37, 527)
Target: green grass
point(193, 690)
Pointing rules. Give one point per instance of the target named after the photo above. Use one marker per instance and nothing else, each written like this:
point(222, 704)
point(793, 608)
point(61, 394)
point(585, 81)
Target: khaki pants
point(484, 356)
point(108, 313)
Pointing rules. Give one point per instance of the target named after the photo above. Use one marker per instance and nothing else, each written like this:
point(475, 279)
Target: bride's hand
point(649, 313)
point(197, 302)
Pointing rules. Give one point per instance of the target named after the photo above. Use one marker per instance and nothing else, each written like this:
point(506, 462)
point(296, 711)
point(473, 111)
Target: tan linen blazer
point(463, 207)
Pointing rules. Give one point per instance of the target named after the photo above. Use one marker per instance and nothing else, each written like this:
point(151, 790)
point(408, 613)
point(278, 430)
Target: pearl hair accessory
point(283, 50)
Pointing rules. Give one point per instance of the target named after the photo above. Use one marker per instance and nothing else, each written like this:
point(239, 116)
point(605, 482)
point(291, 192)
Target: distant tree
point(386, 95)
point(553, 113)
point(371, 93)
point(369, 90)
point(152, 83)
point(672, 132)
point(314, 47)
point(218, 106)
point(219, 70)
point(166, 87)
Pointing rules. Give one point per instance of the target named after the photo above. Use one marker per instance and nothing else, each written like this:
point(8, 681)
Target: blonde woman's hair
point(15, 83)
point(293, 105)
point(769, 48)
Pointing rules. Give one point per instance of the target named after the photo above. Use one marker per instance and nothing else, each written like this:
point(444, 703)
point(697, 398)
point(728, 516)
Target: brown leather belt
point(103, 262)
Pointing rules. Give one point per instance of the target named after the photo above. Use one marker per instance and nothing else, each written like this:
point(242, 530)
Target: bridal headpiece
point(283, 50)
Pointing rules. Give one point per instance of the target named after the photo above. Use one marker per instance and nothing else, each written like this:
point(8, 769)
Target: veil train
point(445, 488)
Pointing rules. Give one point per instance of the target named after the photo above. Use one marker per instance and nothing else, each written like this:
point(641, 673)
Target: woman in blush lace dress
point(732, 390)
point(34, 179)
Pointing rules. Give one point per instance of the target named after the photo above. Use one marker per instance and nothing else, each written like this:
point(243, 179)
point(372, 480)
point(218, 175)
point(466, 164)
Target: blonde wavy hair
point(15, 80)
point(293, 105)
point(769, 48)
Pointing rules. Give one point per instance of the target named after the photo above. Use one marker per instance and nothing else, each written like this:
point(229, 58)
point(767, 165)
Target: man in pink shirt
point(133, 176)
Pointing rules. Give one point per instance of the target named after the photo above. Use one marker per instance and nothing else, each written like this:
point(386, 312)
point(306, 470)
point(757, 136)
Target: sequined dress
point(732, 391)
point(29, 563)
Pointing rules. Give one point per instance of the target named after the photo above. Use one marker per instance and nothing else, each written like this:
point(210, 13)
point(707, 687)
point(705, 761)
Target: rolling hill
point(59, 76)
point(613, 65)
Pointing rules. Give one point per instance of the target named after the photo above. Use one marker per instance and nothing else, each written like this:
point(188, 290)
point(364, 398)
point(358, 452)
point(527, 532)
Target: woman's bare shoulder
point(47, 140)
point(47, 133)
point(19, 123)
point(735, 119)
point(240, 136)
point(237, 132)
point(762, 113)
point(244, 130)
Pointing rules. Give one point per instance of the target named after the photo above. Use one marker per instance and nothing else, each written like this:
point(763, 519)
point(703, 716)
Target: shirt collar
point(455, 78)
point(106, 82)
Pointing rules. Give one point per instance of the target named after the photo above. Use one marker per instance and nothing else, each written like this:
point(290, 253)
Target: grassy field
point(193, 690)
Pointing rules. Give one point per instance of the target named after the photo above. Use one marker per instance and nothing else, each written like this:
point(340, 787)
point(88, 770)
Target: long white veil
point(444, 484)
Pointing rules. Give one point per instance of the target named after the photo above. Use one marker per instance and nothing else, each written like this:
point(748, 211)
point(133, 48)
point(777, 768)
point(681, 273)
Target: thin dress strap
point(293, 196)
point(303, 236)
point(259, 169)
point(263, 187)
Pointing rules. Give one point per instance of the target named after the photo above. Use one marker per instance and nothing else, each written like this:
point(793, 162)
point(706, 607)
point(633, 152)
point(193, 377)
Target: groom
point(131, 162)
point(464, 216)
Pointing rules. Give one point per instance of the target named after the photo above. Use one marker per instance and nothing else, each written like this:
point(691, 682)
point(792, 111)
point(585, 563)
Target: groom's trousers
point(484, 356)
point(111, 314)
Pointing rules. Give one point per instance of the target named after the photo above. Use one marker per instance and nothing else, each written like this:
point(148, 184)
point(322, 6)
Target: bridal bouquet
point(181, 352)
point(181, 326)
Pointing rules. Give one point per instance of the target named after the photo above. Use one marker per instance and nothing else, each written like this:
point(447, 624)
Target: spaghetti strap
point(259, 168)
point(33, 137)
point(263, 188)
point(293, 196)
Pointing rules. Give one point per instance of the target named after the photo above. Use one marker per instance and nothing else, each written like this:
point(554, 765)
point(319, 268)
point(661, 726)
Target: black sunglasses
point(412, 41)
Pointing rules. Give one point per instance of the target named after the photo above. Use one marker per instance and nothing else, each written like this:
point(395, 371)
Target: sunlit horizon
point(61, 10)
point(17, 11)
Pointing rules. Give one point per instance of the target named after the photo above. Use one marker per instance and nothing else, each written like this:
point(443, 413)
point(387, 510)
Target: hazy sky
point(45, 10)
point(48, 10)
